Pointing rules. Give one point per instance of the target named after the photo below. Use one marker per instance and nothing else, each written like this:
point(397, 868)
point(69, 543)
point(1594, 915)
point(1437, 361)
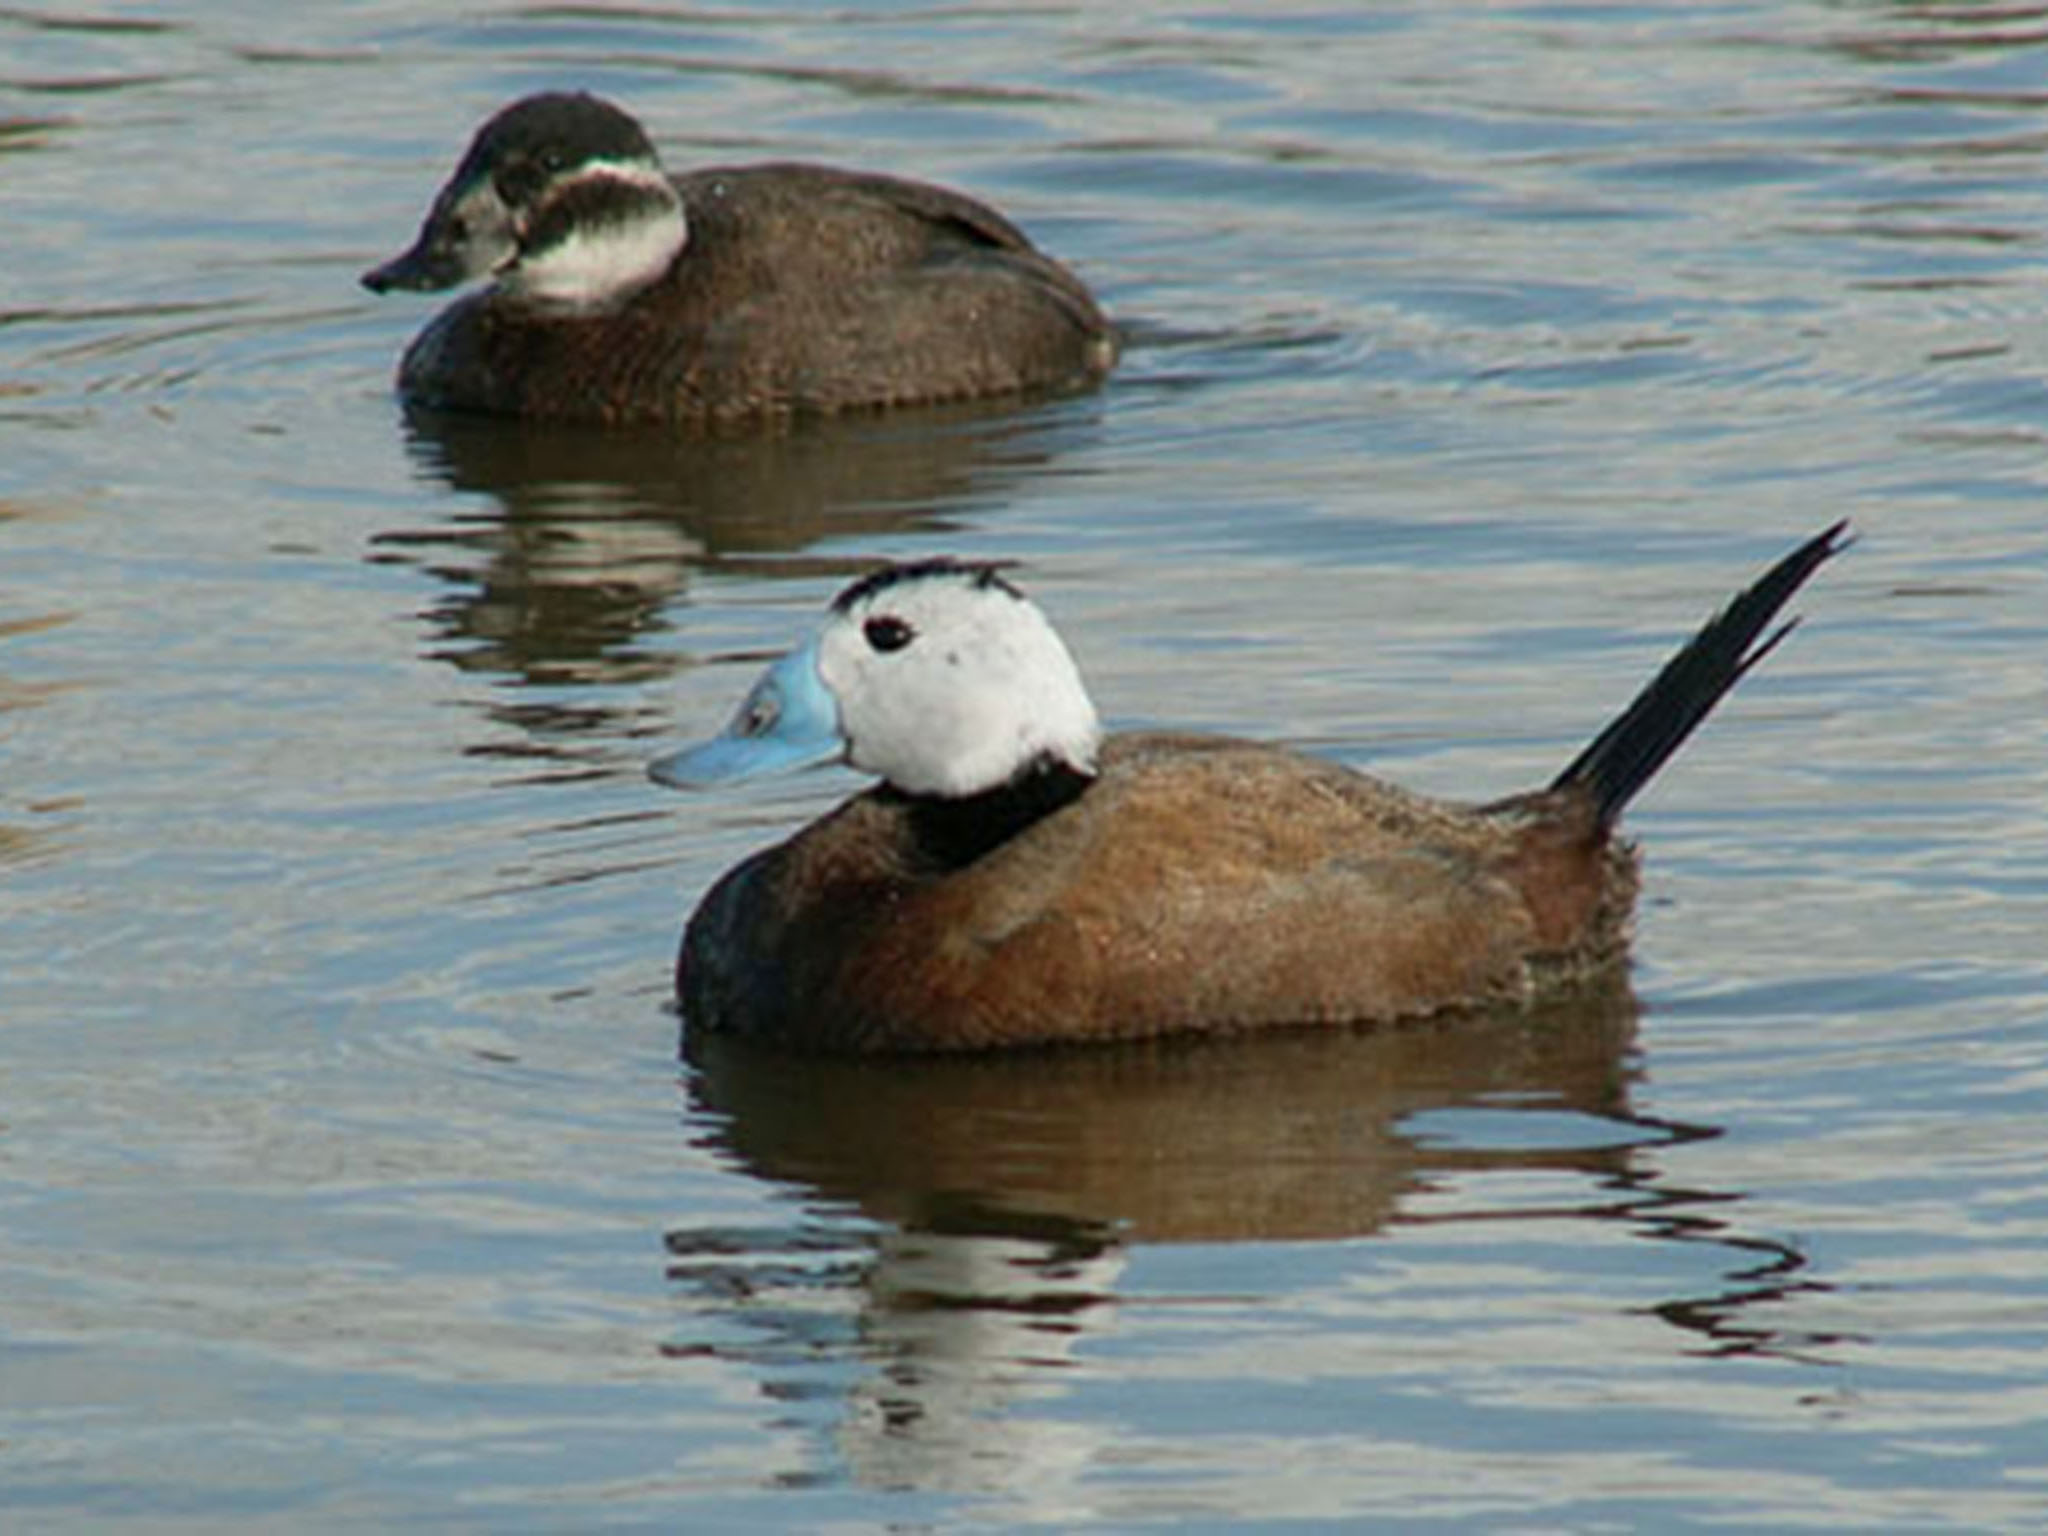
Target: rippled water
point(348, 1174)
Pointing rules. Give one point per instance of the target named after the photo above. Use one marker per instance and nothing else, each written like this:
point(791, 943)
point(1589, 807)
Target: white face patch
point(948, 684)
point(597, 235)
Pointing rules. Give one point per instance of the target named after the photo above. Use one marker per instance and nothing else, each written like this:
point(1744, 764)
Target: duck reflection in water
point(973, 1216)
point(588, 537)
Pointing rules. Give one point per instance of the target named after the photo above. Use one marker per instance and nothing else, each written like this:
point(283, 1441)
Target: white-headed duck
point(1019, 879)
point(621, 294)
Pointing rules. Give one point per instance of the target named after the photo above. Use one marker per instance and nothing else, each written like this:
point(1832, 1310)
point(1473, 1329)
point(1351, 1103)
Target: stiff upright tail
point(1640, 740)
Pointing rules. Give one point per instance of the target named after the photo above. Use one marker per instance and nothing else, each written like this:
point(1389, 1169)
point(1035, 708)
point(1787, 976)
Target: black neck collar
point(952, 832)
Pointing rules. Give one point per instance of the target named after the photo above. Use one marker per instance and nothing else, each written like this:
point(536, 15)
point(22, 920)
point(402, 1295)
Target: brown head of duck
point(1019, 879)
point(734, 294)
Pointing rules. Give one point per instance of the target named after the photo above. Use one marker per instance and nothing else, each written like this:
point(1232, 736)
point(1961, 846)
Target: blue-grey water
point(349, 1177)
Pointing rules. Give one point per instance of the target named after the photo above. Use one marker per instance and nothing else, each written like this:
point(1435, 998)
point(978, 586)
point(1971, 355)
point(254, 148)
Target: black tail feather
point(1640, 740)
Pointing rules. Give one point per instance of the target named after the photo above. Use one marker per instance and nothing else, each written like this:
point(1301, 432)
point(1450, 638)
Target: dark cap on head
point(542, 135)
point(983, 573)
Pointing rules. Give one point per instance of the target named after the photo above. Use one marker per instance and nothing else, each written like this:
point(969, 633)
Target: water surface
point(349, 1173)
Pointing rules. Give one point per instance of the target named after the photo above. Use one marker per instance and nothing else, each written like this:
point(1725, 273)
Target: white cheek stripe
point(592, 268)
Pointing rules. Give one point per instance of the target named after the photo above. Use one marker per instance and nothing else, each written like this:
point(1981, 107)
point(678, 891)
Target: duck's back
point(1198, 885)
point(801, 289)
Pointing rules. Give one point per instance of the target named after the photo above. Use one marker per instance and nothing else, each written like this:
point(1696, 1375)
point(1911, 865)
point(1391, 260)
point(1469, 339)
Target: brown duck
point(1016, 879)
point(734, 294)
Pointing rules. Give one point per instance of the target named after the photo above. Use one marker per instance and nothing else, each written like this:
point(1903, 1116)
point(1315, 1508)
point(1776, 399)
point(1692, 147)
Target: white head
point(938, 676)
point(560, 197)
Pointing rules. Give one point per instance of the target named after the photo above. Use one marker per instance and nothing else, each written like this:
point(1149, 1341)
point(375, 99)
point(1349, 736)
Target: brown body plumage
point(1198, 883)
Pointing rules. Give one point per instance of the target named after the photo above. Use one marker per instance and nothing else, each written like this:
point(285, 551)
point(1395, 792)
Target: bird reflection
point(976, 1214)
point(583, 537)
point(1728, 1321)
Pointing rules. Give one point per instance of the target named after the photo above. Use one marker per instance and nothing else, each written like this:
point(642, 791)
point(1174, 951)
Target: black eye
point(519, 181)
point(888, 633)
